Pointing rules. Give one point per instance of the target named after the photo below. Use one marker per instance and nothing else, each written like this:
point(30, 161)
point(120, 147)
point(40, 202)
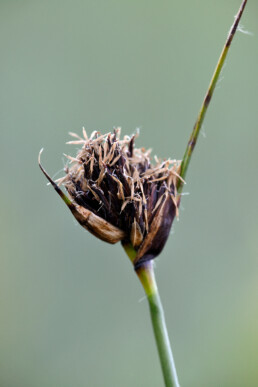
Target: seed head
point(117, 194)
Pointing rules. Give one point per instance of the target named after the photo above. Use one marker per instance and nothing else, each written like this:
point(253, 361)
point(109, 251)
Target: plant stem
point(147, 277)
point(207, 99)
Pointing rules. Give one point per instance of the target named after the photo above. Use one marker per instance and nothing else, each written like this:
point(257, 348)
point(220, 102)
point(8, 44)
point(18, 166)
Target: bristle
point(84, 133)
point(75, 135)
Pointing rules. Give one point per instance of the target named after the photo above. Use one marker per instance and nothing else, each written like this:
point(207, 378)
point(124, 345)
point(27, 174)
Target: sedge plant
point(118, 194)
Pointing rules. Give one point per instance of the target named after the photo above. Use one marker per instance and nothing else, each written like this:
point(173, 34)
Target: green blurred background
point(72, 310)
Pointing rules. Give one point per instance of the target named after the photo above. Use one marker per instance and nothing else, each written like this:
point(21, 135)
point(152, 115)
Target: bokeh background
point(72, 310)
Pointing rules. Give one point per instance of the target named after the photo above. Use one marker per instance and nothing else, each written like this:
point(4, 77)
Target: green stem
point(207, 99)
point(147, 277)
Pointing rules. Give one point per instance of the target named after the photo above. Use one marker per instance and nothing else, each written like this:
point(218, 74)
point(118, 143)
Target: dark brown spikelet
point(118, 195)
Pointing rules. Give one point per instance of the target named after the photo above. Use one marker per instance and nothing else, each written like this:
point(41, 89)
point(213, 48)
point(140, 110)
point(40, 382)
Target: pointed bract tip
point(58, 190)
point(41, 150)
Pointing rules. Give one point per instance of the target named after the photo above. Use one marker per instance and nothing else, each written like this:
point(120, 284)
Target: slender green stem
point(147, 277)
point(207, 99)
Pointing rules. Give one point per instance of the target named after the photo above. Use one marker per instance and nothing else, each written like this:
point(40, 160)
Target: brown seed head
point(118, 195)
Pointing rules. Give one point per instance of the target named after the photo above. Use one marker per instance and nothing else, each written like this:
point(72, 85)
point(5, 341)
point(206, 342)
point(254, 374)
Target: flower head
point(117, 194)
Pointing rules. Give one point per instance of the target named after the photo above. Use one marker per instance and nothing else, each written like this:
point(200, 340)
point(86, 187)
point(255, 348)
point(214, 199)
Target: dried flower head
point(117, 194)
